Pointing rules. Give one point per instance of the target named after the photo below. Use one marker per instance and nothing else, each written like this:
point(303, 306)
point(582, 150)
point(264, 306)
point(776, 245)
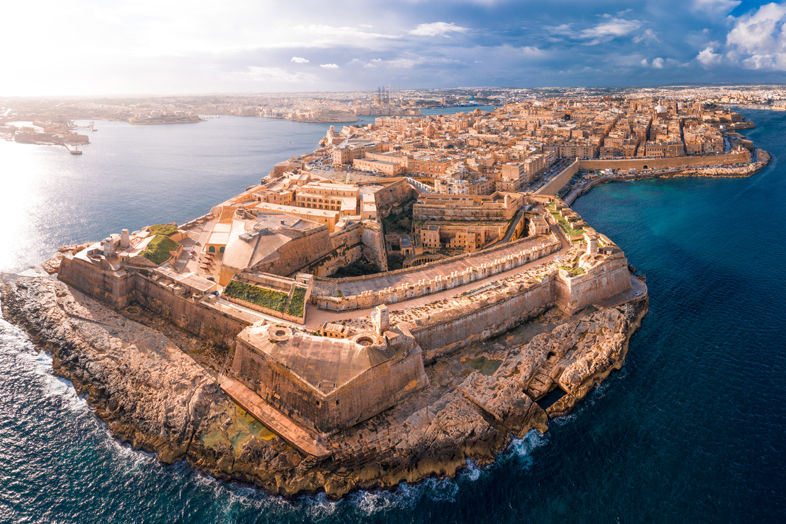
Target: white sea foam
point(521, 448)
point(472, 472)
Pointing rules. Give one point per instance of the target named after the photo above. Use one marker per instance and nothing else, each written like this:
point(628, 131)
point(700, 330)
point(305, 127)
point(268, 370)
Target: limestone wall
point(197, 317)
point(601, 282)
point(346, 248)
point(119, 289)
point(371, 392)
point(469, 326)
point(297, 254)
point(361, 239)
point(392, 195)
point(112, 287)
point(553, 186)
point(682, 161)
point(373, 240)
point(323, 298)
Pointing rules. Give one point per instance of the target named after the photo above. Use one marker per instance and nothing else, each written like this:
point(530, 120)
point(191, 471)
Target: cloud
point(325, 36)
point(657, 63)
point(395, 63)
point(328, 66)
point(531, 50)
point(715, 7)
point(609, 29)
point(708, 56)
point(647, 37)
point(299, 60)
point(275, 74)
point(437, 29)
point(757, 40)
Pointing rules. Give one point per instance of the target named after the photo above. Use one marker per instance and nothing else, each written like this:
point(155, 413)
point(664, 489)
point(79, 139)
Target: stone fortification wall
point(120, 289)
point(358, 240)
point(325, 291)
point(197, 317)
point(682, 161)
point(458, 328)
point(371, 392)
point(112, 287)
point(297, 254)
point(393, 195)
point(346, 248)
point(497, 207)
point(601, 282)
point(373, 240)
point(553, 186)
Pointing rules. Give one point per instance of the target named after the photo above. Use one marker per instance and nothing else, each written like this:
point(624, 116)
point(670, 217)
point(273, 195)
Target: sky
point(92, 47)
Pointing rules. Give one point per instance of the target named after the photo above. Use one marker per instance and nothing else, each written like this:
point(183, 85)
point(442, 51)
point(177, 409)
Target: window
point(211, 249)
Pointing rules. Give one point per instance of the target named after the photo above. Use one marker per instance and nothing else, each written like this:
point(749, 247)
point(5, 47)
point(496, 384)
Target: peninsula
point(408, 297)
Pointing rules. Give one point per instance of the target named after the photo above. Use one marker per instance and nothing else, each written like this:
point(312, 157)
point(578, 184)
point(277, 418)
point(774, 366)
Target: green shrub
point(157, 251)
point(297, 302)
point(163, 229)
point(574, 271)
point(271, 299)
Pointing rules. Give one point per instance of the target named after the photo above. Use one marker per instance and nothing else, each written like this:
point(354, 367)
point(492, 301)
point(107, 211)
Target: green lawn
point(157, 251)
point(564, 224)
point(163, 229)
point(296, 305)
point(275, 300)
point(574, 271)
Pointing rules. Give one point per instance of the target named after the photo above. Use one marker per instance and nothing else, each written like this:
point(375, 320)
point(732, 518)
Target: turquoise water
point(691, 429)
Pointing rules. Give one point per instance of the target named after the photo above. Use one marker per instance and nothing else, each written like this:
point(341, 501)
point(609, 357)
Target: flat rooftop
point(324, 363)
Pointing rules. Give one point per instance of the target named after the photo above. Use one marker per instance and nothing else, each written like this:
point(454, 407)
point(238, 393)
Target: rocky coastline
point(152, 392)
point(688, 172)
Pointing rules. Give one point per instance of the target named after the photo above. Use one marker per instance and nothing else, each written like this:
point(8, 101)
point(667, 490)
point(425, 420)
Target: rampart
point(738, 157)
point(112, 287)
point(553, 186)
point(121, 288)
point(456, 328)
point(392, 195)
point(326, 292)
point(603, 281)
point(198, 317)
point(358, 240)
point(297, 254)
point(329, 407)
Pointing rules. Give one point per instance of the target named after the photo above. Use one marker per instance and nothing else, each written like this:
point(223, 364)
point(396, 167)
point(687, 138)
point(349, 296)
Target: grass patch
point(275, 300)
point(163, 229)
point(297, 303)
point(574, 271)
point(564, 224)
point(157, 251)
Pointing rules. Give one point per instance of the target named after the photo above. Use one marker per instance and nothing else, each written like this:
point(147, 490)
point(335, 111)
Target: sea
point(691, 429)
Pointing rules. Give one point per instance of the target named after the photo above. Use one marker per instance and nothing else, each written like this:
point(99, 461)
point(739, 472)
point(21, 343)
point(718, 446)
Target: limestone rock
point(153, 395)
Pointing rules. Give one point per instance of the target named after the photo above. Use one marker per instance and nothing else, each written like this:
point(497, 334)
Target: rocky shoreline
point(152, 394)
point(711, 172)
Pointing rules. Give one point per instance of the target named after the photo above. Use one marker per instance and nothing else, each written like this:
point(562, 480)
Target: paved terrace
point(458, 264)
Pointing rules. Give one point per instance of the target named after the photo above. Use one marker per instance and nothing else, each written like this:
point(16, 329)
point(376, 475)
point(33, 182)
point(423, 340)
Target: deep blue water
point(691, 429)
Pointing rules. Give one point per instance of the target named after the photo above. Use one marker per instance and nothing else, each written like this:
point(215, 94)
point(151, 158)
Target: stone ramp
point(294, 434)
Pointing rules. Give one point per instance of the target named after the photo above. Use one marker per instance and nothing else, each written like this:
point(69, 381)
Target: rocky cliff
point(154, 395)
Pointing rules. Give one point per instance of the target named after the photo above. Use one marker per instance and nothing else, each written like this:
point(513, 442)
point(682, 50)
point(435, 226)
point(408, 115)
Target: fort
point(343, 292)
point(254, 279)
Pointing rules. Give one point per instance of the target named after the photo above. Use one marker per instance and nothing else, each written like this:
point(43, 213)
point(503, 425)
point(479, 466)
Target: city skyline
point(85, 48)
